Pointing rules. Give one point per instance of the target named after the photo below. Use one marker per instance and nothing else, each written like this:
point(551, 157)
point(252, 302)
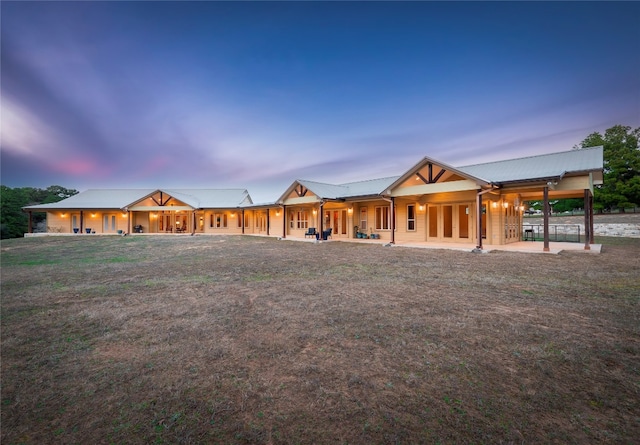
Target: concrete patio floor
point(522, 246)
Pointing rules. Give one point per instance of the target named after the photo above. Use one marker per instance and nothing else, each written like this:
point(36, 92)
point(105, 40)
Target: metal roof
point(123, 198)
point(554, 165)
point(97, 198)
point(349, 189)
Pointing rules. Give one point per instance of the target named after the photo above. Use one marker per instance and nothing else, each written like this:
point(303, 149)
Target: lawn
point(246, 340)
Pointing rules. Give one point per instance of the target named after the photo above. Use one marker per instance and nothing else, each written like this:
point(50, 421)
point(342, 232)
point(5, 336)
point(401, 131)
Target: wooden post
point(479, 220)
point(546, 219)
point(242, 216)
point(591, 217)
point(587, 223)
point(268, 221)
point(284, 222)
point(30, 227)
point(321, 218)
point(81, 221)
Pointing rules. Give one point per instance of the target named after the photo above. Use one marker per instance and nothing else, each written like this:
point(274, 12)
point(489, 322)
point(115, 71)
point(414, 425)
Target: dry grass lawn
point(244, 340)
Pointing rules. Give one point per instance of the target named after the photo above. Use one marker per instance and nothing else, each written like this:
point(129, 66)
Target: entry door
point(109, 223)
point(450, 222)
point(338, 222)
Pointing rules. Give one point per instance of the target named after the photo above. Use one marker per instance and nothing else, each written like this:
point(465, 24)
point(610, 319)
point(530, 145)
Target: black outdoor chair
point(137, 229)
point(326, 233)
point(310, 232)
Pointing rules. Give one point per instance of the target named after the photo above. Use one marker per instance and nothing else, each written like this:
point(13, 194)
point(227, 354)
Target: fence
point(557, 232)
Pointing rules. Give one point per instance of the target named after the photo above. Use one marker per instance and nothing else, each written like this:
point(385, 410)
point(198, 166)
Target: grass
point(247, 340)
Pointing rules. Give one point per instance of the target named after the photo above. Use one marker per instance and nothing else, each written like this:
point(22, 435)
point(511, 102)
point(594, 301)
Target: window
point(363, 219)
point(292, 219)
point(303, 219)
point(411, 217)
point(239, 221)
point(246, 220)
point(382, 218)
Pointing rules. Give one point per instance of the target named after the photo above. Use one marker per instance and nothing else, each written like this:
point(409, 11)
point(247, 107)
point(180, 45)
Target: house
point(435, 202)
point(157, 211)
point(432, 202)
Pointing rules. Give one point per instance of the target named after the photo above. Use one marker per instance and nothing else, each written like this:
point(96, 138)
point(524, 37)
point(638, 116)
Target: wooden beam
point(546, 212)
point(425, 180)
point(439, 175)
point(392, 223)
point(587, 217)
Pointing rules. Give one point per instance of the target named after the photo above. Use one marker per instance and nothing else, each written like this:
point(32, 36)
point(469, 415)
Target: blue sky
point(256, 95)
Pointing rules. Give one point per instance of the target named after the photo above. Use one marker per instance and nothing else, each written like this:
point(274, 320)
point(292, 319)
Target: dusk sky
point(256, 95)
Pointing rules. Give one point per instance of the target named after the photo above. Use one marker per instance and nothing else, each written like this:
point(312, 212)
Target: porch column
point(242, 216)
point(193, 229)
point(128, 222)
point(393, 220)
point(479, 220)
point(284, 221)
point(591, 217)
point(268, 221)
point(587, 220)
point(30, 227)
point(81, 221)
point(546, 212)
point(321, 218)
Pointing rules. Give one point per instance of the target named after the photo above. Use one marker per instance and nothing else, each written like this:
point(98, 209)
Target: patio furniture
point(310, 232)
point(326, 233)
point(528, 235)
point(137, 229)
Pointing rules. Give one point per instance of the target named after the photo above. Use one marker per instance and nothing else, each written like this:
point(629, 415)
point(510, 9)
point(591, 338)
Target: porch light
point(124, 215)
point(93, 215)
point(421, 207)
point(350, 210)
point(494, 204)
point(63, 214)
point(277, 212)
point(315, 212)
point(522, 208)
point(505, 204)
point(233, 215)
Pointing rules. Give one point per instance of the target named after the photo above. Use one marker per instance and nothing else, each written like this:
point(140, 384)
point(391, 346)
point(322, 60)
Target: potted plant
point(88, 230)
point(76, 230)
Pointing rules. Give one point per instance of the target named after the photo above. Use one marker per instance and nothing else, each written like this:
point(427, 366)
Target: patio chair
point(310, 232)
point(327, 233)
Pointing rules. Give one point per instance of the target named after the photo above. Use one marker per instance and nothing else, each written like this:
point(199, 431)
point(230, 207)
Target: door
point(338, 222)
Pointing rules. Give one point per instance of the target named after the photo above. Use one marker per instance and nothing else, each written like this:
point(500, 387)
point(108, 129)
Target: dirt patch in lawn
point(253, 340)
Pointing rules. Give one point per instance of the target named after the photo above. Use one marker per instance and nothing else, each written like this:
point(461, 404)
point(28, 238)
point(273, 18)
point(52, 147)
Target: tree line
point(621, 188)
point(13, 221)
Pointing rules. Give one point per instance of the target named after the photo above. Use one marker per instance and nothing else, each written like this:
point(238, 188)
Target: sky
point(258, 94)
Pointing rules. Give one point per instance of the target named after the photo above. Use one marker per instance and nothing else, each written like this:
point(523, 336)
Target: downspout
point(393, 220)
point(392, 224)
point(242, 221)
point(479, 216)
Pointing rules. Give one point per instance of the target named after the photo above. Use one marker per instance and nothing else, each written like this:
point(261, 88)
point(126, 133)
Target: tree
point(13, 221)
point(621, 188)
